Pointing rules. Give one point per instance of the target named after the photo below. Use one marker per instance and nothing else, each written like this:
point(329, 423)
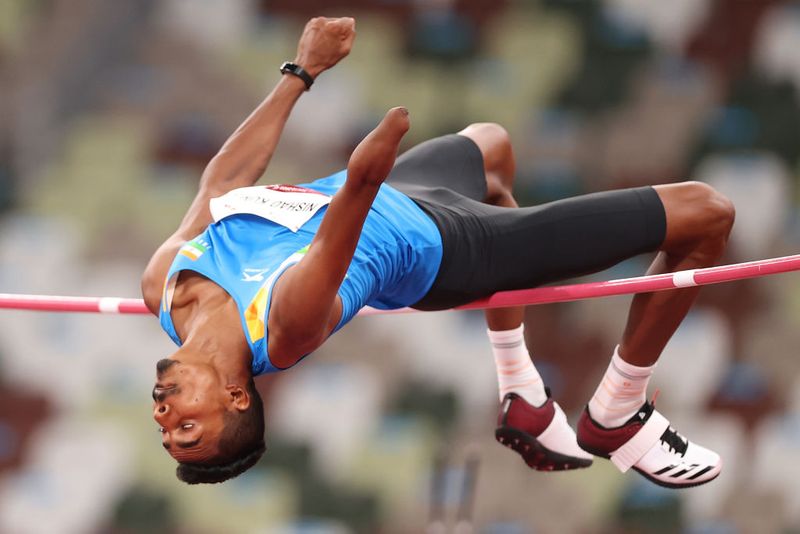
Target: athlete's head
point(214, 429)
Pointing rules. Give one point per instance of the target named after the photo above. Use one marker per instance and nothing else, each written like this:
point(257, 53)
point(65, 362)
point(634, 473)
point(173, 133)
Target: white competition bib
point(288, 205)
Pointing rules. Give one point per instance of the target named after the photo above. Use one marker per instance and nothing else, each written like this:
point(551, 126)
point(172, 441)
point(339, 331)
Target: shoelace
point(674, 441)
point(670, 437)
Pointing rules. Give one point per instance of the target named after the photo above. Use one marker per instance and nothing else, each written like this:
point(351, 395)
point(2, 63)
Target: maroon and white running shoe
point(541, 435)
point(648, 444)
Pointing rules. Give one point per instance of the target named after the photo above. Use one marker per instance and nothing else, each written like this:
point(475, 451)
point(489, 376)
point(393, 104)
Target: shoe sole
point(662, 483)
point(535, 455)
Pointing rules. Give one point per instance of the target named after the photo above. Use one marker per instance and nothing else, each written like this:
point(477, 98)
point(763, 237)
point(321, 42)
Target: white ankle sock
point(621, 393)
point(515, 370)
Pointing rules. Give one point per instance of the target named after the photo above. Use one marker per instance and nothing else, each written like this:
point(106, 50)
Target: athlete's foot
point(541, 435)
point(648, 444)
point(374, 156)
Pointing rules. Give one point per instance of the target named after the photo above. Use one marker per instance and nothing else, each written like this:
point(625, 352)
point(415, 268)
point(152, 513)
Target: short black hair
point(241, 445)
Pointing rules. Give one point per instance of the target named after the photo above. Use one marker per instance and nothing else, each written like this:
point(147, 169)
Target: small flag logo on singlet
point(194, 249)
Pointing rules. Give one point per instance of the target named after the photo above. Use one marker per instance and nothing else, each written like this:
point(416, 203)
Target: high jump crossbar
point(503, 299)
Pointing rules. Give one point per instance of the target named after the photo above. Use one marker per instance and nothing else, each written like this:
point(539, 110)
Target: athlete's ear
point(238, 397)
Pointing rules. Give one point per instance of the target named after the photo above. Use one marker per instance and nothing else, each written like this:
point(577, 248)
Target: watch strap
point(293, 68)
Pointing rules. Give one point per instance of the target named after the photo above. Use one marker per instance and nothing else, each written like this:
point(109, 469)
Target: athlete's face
point(189, 404)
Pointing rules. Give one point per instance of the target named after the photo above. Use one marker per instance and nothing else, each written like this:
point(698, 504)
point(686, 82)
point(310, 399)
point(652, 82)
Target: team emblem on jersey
point(194, 248)
point(254, 275)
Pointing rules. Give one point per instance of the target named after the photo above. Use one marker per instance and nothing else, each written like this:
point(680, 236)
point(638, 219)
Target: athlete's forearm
point(245, 155)
point(306, 311)
point(304, 304)
point(335, 242)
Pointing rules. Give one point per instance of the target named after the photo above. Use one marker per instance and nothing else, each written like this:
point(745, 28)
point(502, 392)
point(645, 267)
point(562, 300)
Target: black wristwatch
point(297, 70)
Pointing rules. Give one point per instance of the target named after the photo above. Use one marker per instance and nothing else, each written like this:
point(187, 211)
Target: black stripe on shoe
point(685, 470)
point(683, 484)
point(701, 472)
point(662, 471)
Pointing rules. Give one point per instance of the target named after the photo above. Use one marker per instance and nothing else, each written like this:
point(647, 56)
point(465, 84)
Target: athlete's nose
point(160, 412)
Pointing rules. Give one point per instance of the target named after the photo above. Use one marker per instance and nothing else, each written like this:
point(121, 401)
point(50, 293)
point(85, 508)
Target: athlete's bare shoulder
point(155, 273)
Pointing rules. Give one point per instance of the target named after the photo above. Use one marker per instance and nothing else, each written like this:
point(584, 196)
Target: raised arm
point(245, 155)
point(305, 307)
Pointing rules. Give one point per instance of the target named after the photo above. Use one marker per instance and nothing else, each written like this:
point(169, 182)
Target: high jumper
point(257, 277)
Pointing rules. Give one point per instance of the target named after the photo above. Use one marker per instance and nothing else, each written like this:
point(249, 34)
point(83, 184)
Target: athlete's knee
point(712, 213)
point(495, 145)
point(490, 132)
point(699, 217)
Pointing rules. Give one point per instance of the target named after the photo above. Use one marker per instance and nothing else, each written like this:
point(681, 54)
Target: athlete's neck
point(207, 319)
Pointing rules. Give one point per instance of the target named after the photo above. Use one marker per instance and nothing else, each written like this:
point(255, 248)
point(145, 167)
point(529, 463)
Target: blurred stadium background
point(108, 112)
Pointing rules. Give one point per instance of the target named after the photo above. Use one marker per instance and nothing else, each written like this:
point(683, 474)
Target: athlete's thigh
point(575, 236)
point(499, 249)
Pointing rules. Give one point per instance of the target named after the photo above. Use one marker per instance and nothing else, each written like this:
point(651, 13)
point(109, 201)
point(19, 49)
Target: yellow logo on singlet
point(255, 314)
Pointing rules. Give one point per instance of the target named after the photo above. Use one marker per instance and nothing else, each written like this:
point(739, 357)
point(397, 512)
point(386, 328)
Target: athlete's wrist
point(296, 70)
point(294, 82)
point(360, 187)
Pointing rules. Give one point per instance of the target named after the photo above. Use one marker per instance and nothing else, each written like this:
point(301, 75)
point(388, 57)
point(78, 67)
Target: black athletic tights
point(488, 248)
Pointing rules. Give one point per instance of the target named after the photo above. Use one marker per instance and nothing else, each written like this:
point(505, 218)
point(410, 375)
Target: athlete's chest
point(196, 298)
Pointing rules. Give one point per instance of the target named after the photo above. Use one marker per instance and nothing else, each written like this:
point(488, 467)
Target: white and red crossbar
point(503, 299)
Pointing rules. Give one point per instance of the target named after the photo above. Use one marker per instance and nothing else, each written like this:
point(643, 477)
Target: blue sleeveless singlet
point(394, 265)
